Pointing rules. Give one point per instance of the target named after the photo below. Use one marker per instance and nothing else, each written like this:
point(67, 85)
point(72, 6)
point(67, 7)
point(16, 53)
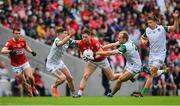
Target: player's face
point(63, 34)
point(16, 34)
point(151, 24)
point(121, 39)
point(85, 37)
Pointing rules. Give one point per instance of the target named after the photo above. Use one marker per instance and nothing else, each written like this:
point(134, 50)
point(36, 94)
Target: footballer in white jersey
point(156, 36)
point(56, 53)
point(157, 41)
point(54, 63)
point(130, 52)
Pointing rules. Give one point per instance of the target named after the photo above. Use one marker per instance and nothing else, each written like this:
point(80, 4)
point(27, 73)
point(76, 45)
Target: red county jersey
point(19, 58)
point(94, 45)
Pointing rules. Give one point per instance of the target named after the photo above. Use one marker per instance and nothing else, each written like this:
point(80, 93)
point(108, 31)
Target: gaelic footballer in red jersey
point(17, 54)
point(94, 46)
point(89, 42)
point(19, 62)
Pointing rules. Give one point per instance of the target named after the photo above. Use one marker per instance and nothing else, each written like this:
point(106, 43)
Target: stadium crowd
point(105, 18)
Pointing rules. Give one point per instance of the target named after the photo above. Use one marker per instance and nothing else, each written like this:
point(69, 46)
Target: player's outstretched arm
point(111, 45)
point(107, 53)
point(175, 26)
point(68, 36)
point(28, 49)
point(5, 50)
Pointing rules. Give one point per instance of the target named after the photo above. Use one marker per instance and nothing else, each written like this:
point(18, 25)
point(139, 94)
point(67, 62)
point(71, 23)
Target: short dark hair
point(153, 18)
point(60, 30)
point(87, 31)
point(16, 29)
point(36, 68)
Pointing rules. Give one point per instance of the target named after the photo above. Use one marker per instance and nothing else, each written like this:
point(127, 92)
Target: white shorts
point(53, 67)
point(18, 70)
point(102, 64)
point(157, 59)
point(132, 68)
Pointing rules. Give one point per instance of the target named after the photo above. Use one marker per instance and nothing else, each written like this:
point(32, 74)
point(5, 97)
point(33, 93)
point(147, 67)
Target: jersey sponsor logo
point(19, 51)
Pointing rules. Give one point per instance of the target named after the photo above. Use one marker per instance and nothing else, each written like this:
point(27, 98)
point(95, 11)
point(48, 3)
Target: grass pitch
point(86, 101)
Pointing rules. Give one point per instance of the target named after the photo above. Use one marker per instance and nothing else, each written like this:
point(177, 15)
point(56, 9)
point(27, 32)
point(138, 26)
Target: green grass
point(85, 101)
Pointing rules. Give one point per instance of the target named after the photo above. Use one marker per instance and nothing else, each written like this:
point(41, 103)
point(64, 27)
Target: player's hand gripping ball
point(88, 55)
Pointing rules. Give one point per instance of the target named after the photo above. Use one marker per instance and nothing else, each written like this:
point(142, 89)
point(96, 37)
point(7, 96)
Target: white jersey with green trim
point(157, 38)
point(56, 52)
point(130, 52)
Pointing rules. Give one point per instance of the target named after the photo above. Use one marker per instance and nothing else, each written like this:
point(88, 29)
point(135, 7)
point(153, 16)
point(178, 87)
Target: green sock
point(144, 91)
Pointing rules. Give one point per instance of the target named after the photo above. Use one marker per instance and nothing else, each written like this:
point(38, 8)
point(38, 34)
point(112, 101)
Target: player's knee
point(22, 81)
point(111, 78)
point(86, 76)
point(63, 78)
point(153, 71)
point(70, 79)
point(119, 80)
point(30, 77)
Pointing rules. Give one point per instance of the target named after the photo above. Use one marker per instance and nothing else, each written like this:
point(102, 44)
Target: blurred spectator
point(39, 82)
point(174, 55)
point(155, 87)
point(170, 84)
point(3, 71)
point(162, 86)
point(17, 87)
point(176, 76)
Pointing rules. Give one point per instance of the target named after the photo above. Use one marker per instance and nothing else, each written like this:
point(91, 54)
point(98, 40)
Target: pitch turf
point(86, 101)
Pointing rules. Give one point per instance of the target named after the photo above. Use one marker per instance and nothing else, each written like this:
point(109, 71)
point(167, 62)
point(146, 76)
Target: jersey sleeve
point(25, 43)
point(144, 35)
point(8, 44)
point(122, 49)
point(72, 42)
point(166, 28)
point(57, 41)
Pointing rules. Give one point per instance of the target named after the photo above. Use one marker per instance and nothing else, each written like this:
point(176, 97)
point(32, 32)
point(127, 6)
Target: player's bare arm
point(98, 56)
point(111, 45)
point(176, 21)
point(28, 49)
point(68, 36)
point(5, 50)
point(107, 53)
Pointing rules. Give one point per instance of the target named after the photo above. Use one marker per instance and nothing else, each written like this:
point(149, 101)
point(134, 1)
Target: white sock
point(159, 72)
point(80, 92)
